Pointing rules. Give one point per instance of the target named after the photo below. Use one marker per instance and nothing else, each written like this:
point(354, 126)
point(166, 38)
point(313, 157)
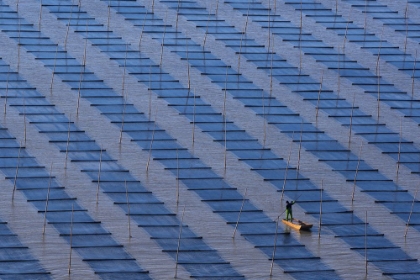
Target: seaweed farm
point(163, 139)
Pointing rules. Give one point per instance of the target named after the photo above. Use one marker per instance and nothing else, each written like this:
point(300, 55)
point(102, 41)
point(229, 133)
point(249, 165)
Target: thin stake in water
point(193, 129)
point(82, 72)
point(151, 142)
point(179, 242)
point(177, 176)
point(275, 246)
point(225, 121)
point(366, 256)
point(71, 236)
point(142, 29)
point(240, 212)
point(351, 117)
point(7, 90)
point(68, 142)
point(319, 95)
point(17, 172)
point(320, 210)
point(414, 74)
point(378, 73)
point(123, 95)
point(287, 167)
point(411, 212)
point(53, 72)
point(47, 200)
point(24, 120)
point(128, 209)
point(40, 16)
point(99, 176)
point(68, 29)
point(355, 174)
point(399, 151)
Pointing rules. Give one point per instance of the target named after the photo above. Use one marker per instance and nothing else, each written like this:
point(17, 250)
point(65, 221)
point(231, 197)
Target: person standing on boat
point(289, 211)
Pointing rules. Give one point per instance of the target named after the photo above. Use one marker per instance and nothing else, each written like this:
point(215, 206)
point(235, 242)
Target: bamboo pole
point(67, 144)
point(207, 29)
point(300, 37)
point(177, 177)
point(193, 127)
point(274, 247)
point(68, 30)
point(109, 15)
point(357, 170)
point(47, 200)
point(40, 16)
point(151, 142)
point(242, 37)
point(366, 256)
point(123, 96)
point(7, 90)
point(162, 46)
point(319, 95)
point(320, 210)
point(179, 242)
point(411, 212)
point(19, 26)
point(82, 72)
point(287, 167)
point(177, 16)
point(128, 209)
point(53, 72)
point(413, 77)
point(17, 172)
point(142, 30)
point(71, 237)
point(300, 147)
point(399, 151)
point(24, 120)
point(99, 176)
point(378, 74)
point(351, 118)
point(240, 212)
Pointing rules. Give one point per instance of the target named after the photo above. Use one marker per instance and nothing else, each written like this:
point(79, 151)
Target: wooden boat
point(297, 224)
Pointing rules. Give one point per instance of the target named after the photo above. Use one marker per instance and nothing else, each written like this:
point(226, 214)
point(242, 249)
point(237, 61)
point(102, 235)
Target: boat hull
point(297, 224)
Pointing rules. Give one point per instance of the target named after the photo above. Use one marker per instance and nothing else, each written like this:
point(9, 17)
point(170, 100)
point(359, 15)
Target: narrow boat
point(297, 224)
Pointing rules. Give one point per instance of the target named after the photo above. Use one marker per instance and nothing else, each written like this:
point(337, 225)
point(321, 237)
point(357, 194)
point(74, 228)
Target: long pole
point(287, 167)
point(179, 242)
point(275, 246)
point(71, 236)
point(177, 177)
point(128, 208)
point(366, 257)
point(123, 94)
point(319, 94)
point(351, 118)
point(47, 200)
point(82, 72)
point(414, 74)
point(67, 144)
point(53, 72)
point(16, 173)
point(399, 152)
point(357, 170)
point(411, 212)
point(7, 91)
point(99, 176)
point(320, 210)
point(151, 142)
point(240, 212)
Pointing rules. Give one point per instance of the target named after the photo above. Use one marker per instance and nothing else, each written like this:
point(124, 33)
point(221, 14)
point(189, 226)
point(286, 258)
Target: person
point(289, 211)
